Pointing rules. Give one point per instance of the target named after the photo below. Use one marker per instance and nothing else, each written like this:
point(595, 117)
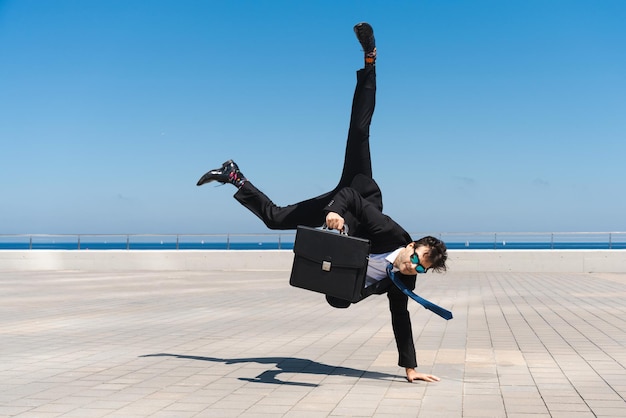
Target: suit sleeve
point(384, 233)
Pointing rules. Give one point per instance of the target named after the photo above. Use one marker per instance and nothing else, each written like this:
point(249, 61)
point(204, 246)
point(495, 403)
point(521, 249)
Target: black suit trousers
point(357, 169)
point(357, 174)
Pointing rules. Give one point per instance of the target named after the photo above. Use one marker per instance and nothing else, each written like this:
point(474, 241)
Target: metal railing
point(285, 240)
point(534, 240)
point(147, 241)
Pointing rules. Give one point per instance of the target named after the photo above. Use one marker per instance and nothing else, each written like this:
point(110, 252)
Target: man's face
point(406, 265)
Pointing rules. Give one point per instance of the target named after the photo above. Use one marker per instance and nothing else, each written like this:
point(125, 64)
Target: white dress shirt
point(377, 266)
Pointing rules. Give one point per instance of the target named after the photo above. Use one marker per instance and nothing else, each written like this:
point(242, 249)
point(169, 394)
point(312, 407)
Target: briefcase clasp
point(326, 265)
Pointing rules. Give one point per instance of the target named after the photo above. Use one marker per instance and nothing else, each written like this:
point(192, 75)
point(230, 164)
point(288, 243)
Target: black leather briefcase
point(330, 263)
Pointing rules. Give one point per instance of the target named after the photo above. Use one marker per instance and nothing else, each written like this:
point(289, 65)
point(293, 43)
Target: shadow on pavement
point(287, 365)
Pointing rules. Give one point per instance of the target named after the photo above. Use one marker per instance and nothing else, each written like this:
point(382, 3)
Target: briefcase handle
point(344, 231)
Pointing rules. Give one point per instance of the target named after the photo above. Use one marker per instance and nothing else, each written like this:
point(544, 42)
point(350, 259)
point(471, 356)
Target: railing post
point(279, 240)
point(228, 241)
point(177, 241)
point(495, 241)
point(610, 241)
point(30, 243)
point(552, 241)
point(128, 242)
point(79, 241)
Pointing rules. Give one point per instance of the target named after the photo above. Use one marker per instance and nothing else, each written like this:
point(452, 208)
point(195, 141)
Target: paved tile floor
point(230, 344)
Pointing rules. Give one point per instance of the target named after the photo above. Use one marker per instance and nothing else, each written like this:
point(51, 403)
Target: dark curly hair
point(437, 252)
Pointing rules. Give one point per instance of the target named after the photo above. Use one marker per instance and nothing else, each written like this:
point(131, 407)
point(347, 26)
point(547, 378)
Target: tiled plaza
point(246, 344)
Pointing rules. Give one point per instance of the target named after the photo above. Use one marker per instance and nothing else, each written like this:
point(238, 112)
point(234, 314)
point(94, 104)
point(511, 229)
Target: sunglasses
point(416, 260)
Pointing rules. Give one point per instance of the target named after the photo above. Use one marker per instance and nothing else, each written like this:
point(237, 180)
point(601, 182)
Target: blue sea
point(285, 241)
point(165, 245)
point(145, 246)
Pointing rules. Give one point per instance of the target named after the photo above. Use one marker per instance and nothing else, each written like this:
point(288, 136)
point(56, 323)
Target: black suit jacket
point(366, 220)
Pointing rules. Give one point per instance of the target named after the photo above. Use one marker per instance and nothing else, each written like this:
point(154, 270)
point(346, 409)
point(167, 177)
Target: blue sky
point(491, 115)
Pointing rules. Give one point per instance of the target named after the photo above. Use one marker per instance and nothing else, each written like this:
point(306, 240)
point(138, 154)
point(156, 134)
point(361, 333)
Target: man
point(356, 202)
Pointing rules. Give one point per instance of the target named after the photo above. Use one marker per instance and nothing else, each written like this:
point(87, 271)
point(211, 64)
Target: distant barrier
point(284, 241)
point(110, 261)
point(534, 240)
point(266, 241)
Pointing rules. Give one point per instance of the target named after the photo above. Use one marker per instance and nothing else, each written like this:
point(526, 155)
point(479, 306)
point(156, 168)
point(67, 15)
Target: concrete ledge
point(547, 261)
point(539, 261)
point(144, 260)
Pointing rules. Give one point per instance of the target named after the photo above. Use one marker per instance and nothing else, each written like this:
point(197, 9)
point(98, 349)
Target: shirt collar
point(392, 257)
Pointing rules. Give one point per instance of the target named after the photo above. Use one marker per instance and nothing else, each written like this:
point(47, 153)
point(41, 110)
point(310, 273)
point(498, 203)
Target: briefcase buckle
point(326, 265)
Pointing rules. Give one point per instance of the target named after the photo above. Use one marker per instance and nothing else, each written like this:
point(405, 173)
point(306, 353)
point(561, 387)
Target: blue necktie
point(445, 314)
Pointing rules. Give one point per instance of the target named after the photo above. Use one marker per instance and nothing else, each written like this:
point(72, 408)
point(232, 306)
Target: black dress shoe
point(365, 35)
point(227, 173)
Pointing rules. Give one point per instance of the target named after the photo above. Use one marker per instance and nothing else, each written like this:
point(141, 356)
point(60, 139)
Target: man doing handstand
point(356, 201)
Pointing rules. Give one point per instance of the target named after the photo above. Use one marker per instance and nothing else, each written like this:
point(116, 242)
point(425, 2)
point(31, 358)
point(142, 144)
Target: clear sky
point(492, 116)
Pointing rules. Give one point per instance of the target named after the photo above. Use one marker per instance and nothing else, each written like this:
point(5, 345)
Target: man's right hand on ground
point(413, 375)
